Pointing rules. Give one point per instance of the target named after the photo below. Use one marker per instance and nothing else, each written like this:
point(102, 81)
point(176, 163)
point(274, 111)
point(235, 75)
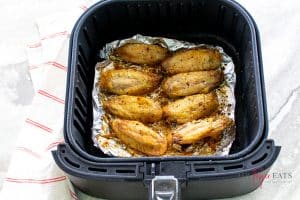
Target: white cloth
point(34, 175)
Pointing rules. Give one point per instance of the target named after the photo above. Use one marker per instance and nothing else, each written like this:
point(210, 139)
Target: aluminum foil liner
point(113, 147)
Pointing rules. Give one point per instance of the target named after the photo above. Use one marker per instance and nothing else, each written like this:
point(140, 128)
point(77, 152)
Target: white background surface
point(279, 25)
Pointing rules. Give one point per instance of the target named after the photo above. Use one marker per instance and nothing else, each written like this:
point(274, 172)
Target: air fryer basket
point(218, 22)
point(196, 179)
point(221, 23)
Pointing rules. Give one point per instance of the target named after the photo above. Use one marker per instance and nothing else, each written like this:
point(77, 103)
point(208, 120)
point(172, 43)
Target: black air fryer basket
point(218, 22)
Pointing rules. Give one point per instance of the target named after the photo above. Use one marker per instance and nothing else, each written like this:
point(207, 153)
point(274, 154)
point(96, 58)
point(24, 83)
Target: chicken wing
point(139, 137)
point(209, 127)
point(134, 108)
point(191, 108)
point(185, 84)
point(192, 60)
point(140, 53)
point(129, 81)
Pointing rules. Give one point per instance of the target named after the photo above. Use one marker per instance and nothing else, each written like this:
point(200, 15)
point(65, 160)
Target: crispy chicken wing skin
point(209, 127)
point(191, 108)
point(140, 53)
point(139, 137)
point(129, 81)
point(134, 108)
point(192, 60)
point(189, 83)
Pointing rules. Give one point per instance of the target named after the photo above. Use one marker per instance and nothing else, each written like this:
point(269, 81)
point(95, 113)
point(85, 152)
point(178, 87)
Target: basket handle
point(164, 188)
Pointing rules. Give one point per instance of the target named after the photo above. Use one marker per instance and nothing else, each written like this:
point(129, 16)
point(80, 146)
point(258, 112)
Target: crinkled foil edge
point(112, 147)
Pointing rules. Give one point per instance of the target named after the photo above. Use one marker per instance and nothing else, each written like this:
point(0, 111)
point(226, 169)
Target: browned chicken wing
point(129, 81)
point(185, 84)
point(140, 53)
point(134, 108)
point(191, 108)
point(139, 137)
point(209, 127)
point(192, 60)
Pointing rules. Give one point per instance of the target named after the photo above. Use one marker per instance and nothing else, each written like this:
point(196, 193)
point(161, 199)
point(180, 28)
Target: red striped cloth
point(33, 173)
